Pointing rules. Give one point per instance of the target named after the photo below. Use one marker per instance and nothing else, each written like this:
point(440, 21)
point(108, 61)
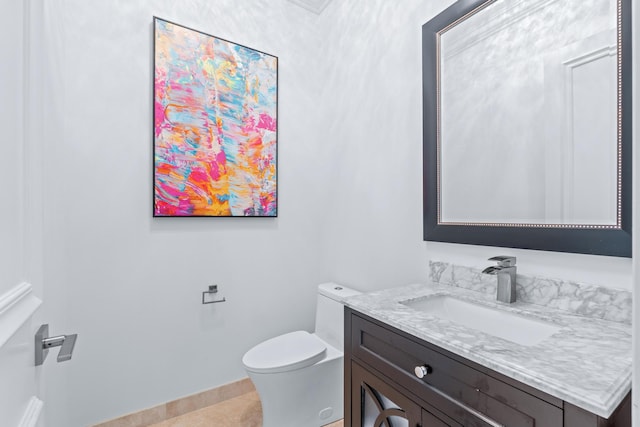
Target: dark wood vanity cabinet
point(381, 387)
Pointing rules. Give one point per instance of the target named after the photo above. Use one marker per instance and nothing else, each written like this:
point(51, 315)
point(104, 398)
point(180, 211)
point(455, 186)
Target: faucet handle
point(504, 260)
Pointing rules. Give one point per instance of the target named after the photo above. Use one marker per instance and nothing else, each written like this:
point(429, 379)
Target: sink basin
point(500, 323)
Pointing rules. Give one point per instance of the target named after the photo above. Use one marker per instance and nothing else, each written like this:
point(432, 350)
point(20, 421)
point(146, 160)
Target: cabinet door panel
point(376, 404)
point(429, 420)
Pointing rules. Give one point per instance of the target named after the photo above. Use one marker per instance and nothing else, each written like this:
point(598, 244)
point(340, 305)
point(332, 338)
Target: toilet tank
point(330, 312)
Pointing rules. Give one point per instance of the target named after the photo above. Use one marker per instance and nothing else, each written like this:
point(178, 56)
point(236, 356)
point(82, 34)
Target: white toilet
point(299, 376)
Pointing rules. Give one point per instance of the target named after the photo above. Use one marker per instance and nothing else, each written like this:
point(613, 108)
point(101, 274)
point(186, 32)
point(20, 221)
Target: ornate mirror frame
point(586, 239)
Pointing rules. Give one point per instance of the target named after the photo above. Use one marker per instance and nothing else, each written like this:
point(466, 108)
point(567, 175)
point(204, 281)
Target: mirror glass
point(528, 114)
point(527, 125)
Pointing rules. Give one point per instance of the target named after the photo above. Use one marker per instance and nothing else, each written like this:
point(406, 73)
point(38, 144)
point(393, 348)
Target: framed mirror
point(527, 125)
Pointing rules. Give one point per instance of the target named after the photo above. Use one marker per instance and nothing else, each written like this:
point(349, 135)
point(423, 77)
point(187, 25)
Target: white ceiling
point(315, 6)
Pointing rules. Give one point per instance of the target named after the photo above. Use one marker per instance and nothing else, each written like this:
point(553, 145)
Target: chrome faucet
point(505, 270)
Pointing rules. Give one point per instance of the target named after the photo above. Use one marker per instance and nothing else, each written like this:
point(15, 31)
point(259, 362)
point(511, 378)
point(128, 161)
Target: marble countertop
point(586, 363)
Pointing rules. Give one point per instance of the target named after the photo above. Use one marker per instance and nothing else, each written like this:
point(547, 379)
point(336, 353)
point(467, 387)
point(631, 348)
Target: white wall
point(373, 96)
point(131, 285)
point(372, 99)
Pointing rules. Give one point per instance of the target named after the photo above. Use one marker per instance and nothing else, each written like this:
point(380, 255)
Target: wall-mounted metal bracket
point(213, 290)
point(43, 343)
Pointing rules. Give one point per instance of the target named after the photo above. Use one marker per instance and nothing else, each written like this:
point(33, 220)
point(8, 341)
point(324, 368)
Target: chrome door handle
point(43, 343)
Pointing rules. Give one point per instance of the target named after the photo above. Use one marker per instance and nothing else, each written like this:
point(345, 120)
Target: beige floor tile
point(141, 418)
point(251, 396)
point(241, 411)
point(244, 411)
point(206, 417)
point(209, 397)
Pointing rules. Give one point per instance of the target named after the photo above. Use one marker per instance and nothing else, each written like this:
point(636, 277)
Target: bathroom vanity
point(501, 101)
point(405, 360)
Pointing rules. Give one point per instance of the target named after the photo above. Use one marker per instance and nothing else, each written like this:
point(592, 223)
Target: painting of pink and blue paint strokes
point(215, 126)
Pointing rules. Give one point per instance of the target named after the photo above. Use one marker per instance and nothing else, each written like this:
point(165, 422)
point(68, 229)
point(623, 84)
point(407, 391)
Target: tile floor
point(241, 411)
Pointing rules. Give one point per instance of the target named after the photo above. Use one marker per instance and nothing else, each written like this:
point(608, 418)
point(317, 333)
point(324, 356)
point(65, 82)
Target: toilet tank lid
point(288, 352)
point(336, 292)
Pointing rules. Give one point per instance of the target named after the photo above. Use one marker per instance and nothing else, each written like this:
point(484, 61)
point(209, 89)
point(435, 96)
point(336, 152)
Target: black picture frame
point(574, 239)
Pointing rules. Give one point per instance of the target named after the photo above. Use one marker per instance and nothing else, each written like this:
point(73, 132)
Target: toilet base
point(311, 396)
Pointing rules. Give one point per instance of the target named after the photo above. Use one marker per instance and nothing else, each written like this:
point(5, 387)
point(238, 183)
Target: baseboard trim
point(181, 406)
point(32, 413)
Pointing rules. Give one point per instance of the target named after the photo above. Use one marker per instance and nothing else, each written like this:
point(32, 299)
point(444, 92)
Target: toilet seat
point(288, 352)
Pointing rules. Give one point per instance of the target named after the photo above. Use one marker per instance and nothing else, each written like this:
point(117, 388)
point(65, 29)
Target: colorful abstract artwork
point(215, 126)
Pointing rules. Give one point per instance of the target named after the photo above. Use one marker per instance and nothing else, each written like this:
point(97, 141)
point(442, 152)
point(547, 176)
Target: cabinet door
point(378, 404)
point(430, 420)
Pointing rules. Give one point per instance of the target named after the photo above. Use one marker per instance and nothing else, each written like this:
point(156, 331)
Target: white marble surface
point(587, 363)
point(578, 298)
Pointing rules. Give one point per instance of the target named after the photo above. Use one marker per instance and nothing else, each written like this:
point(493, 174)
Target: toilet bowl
point(299, 375)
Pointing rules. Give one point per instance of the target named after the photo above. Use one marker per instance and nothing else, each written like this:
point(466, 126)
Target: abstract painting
point(215, 126)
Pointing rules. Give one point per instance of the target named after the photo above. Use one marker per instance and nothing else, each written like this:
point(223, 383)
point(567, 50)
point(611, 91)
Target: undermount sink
point(494, 321)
